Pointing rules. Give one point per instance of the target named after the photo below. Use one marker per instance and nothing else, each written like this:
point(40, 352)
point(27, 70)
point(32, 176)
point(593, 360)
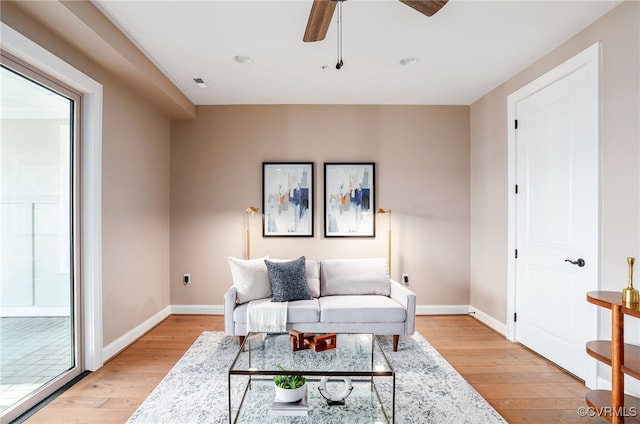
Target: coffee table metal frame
point(369, 374)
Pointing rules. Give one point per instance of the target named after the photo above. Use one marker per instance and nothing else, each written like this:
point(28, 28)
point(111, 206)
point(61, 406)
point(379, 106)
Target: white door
point(557, 216)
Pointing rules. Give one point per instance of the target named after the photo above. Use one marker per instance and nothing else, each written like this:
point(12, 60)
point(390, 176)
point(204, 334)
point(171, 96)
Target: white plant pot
point(290, 395)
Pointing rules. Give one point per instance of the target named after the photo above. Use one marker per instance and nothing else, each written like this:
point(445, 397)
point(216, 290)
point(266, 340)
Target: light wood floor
point(520, 385)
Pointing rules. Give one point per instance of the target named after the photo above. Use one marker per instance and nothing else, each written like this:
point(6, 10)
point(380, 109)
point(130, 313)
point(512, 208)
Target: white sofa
point(347, 296)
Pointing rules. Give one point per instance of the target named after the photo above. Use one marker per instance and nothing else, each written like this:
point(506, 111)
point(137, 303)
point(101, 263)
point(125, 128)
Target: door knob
point(579, 262)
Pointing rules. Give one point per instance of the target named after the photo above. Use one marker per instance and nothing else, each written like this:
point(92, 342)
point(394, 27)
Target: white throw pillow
point(250, 277)
point(354, 276)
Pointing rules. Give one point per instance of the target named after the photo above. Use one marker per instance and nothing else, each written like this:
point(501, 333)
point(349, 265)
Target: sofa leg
point(241, 340)
point(396, 337)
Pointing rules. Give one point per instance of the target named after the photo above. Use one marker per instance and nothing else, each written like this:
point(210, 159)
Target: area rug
point(428, 389)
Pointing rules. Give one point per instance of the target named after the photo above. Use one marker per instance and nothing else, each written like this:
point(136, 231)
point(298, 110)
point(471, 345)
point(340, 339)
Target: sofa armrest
point(406, 298)
point(229, 306)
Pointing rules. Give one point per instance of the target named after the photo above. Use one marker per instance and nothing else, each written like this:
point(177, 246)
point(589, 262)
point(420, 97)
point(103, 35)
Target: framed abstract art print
point(349, 199)
point(287, 199)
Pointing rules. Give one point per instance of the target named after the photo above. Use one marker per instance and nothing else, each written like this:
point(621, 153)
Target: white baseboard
point(442, 309)
point(197, 309)
point(125, 340)
point(488, 320)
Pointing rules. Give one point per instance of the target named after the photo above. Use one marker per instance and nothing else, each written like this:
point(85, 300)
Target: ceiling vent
point(200, 82)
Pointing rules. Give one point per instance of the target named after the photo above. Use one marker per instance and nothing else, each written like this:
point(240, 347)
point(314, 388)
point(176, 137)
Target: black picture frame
point(349, 199)
point(287, 199)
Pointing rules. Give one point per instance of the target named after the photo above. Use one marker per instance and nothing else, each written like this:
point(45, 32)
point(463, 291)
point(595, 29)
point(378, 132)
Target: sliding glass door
point(39, 290)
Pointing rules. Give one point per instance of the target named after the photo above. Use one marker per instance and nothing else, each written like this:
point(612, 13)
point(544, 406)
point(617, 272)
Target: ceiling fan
point(322, 12)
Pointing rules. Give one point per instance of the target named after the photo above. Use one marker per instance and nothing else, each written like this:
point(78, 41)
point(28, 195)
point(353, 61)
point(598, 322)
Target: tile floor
point(33, 351)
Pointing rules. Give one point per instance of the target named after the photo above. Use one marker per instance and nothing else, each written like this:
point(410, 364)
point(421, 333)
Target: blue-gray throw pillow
point(288, 280)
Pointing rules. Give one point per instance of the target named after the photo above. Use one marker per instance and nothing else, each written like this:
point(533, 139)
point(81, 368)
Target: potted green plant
point(289, 387)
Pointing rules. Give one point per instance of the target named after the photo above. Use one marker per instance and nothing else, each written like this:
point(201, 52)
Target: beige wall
point(135, 212)
point(135, 191)
point(422, 175)
point(619, 32)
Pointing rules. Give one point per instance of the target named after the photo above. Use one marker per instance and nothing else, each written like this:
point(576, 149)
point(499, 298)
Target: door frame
point(589, 54)
point(91, 183)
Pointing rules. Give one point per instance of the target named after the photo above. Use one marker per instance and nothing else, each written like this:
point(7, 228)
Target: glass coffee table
point(357, 360)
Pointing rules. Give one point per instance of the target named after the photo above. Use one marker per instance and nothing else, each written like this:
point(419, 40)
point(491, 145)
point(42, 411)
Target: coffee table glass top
point(357, 358)
point(354, 355)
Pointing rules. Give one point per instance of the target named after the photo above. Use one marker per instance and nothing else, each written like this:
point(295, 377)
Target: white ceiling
point(465, 50)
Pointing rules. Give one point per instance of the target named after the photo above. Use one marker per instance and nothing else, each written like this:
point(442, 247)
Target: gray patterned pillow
point(288, 280)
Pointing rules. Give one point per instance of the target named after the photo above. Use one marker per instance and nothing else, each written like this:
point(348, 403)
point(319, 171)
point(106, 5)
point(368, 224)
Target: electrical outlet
point(405, 278)
point(186, 280)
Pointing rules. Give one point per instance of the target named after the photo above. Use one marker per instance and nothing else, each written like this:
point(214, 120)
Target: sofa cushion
point(299, 311)
point(288, 280)
point(360, 309)
point(303, 311)
point(313, 277)
point(368, 276)
point(250, 277)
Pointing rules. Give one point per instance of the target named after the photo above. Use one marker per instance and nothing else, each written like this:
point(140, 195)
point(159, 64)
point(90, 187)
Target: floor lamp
point(249, 211)
point(388, 212)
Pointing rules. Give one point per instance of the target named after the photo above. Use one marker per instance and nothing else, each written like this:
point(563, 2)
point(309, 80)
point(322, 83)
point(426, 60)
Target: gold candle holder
point(629, 294)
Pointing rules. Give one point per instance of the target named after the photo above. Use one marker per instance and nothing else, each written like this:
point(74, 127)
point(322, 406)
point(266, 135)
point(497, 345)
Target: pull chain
point(339, 61)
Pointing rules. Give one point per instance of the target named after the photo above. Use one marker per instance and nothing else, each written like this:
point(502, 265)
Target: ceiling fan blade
point(426, 7)
point(319, 20)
